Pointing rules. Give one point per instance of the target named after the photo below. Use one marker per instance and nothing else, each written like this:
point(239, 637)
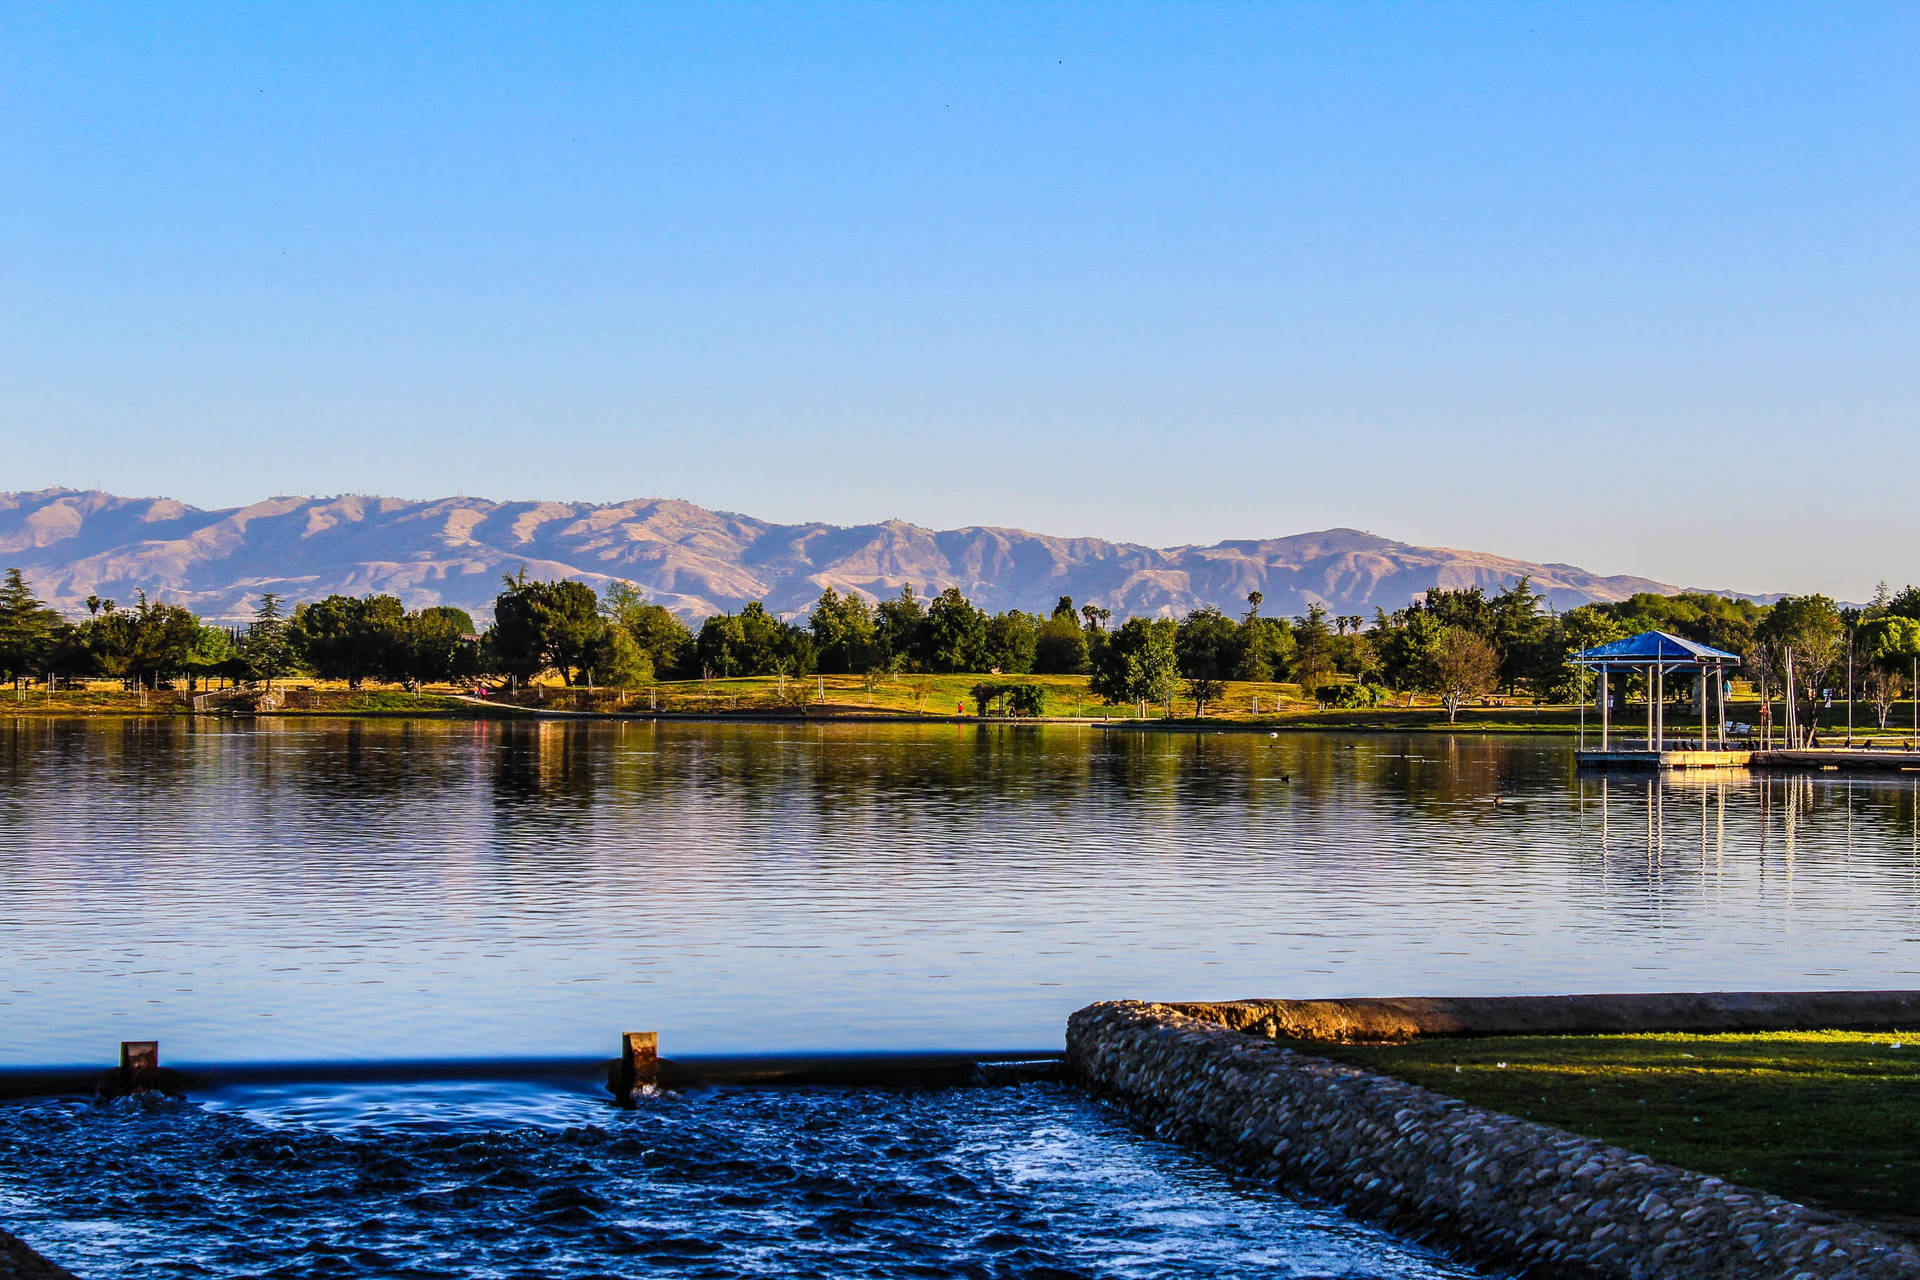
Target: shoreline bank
point(1490, 1186)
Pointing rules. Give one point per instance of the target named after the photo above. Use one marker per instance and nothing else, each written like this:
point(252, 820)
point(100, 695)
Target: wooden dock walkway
point(1802, 759)
point(1854, 760)
point(1688, 758)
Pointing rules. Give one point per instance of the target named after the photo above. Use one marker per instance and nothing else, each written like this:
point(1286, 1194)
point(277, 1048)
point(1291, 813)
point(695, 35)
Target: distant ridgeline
point(696, 562)
point(1452, 643)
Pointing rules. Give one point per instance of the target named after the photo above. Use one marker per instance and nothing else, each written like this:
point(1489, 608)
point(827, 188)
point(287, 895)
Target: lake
point(314, 889)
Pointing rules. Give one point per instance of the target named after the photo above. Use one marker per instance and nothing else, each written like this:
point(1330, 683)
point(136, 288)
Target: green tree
point(213, 653)
point(1139, 663)
point(1266, 644)
point(620, 661)
point(439, 645)
point(1061, 646)
point(351, 638)
point(1700, 616)
point(1467, 608)
point(1207, 647)
point(955, 635)
point(1585, 627)
point(266, 650)
point(1889, 645)
point(1809, 629)
point(1460, 665)
point(721, 646)
point(27, 629)
point(763, 641)
point(1313, 649)
point(142, 645)
point(573, 628)
point(843, 632)
point(1028, 699)
point(1521, 631)
point(897, 630)
point(542, 625)
point(1012, 642)
point(754, 642)
point(666, 641)
point(1405, 641)
point(1905, 604)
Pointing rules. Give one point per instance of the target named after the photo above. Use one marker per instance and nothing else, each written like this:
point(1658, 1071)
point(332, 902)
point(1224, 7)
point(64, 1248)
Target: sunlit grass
point(1822, 1117)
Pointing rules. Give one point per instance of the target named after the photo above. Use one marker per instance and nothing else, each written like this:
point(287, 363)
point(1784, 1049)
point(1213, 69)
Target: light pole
point(1852, 618)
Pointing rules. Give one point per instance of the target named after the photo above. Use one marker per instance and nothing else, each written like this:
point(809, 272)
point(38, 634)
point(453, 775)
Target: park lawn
point(340, 700)
point(1067, 696)
point(904, 694)
point(1827, 1118)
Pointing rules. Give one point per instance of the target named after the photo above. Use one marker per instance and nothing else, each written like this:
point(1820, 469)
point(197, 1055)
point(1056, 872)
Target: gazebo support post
point(1723, 704)
point(1650, 701)
point(1660, 707)
point(1703, 706)
point(1606, 708)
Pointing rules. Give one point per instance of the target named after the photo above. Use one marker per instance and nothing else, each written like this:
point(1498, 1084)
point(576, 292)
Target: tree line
point(1463, 643)
point(1455, 644)
point(148, 643)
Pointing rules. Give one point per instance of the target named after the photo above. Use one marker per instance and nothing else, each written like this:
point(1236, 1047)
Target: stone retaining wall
point(1485, 1185)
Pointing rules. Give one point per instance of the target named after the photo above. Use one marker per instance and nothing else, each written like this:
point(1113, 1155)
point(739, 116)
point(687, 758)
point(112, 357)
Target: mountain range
point(72, 544)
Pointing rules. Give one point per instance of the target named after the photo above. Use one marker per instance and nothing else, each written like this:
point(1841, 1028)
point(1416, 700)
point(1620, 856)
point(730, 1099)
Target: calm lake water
point(380, 889)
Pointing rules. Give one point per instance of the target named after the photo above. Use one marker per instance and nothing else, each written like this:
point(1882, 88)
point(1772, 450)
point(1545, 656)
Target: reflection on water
point(377, 889)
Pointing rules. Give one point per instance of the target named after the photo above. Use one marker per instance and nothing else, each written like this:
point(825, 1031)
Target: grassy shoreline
point(1825, 1118)
point(907, 699)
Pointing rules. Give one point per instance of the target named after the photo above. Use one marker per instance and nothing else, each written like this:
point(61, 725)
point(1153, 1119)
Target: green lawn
point(1245, 703)
point(1830, 1118)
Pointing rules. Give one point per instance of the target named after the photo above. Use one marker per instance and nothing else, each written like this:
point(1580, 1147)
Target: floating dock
point(1689, 758)
point(1817, 759)
point(1851, 760)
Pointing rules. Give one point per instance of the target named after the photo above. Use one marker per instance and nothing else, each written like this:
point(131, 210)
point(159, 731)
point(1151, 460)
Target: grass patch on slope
point(1830, 1118)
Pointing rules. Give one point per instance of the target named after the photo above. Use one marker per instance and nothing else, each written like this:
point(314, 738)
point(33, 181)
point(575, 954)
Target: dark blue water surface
point(519, 1180)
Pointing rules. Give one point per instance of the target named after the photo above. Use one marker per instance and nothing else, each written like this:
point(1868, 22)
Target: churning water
point(477, 1180)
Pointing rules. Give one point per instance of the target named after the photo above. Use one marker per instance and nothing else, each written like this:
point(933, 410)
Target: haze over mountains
point(73, 544)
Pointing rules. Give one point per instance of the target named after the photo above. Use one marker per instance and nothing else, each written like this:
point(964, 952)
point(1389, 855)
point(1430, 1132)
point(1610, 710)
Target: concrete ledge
point(1396, 1019)
point(1485, 1185)
point(880, 1070)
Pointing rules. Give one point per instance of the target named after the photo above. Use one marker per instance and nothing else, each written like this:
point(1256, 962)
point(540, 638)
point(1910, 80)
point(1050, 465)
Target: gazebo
point(1656, 654)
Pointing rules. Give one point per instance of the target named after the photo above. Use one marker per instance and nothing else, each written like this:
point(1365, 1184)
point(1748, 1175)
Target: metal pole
point(1650, 745)
point(1791, 707)
point(1583, 707)
point(1849, 686)
point(1606, 708)
point(1660, 709)
point(1720, 685)
point(1703, 712)
point(1721, 680)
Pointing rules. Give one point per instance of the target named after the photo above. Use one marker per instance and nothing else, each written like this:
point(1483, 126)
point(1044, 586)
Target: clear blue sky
point(1167, 274)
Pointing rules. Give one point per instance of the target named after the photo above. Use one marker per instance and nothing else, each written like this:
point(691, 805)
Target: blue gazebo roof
point(1655, 647)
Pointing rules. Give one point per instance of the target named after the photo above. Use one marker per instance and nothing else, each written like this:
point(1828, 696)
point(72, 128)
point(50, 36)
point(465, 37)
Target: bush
point(1350, 696)
point(1013, 699)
